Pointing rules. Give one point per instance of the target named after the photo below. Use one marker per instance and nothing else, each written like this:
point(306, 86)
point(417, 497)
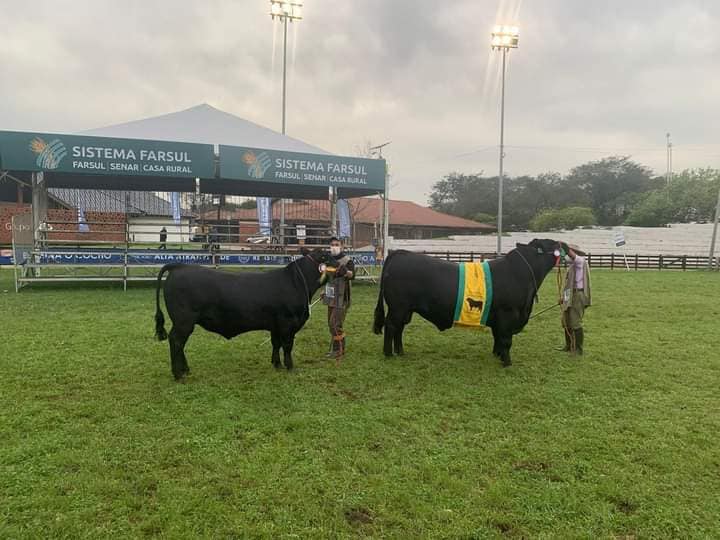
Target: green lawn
point(99, 441)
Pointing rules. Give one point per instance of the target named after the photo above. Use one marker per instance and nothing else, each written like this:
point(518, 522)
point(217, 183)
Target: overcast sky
point(590, 79)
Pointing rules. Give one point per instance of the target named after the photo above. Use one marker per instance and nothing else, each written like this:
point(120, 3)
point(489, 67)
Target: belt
point(579, 289)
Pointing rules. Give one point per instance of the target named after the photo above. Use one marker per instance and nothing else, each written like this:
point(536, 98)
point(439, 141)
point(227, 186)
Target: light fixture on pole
point(504, 38)
point(285, 10)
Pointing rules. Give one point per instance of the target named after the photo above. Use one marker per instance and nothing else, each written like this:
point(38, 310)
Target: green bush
point(564, 218)
point(482, 217)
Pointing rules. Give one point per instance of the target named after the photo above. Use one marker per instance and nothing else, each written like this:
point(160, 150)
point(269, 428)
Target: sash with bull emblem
point(474, 296)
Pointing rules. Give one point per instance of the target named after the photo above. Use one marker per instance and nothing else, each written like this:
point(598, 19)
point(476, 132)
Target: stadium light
point(285, 10)
point(504, 38)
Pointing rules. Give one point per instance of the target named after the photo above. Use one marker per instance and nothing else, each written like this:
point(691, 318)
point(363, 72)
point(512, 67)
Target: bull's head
point(321, 259)
point(546, 246)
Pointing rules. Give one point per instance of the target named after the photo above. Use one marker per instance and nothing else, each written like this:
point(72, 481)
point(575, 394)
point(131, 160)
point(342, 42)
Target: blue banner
point(264, 209)
point(156, 258)
point(343, 210)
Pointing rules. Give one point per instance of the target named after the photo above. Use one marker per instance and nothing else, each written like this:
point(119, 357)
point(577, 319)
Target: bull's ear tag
point(540, 250)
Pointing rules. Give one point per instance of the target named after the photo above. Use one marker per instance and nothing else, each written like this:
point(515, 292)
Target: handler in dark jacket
point(337, 295)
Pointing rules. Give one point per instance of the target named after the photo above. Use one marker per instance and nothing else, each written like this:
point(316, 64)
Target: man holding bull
point(337, 295)
point(575, 298)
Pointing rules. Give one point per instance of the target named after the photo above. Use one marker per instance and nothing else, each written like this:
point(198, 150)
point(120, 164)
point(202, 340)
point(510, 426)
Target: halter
point(302, 277)
point(532, 272)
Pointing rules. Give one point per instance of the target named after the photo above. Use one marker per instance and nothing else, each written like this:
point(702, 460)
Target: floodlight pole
point(284, 89)
point(386, 201)
point(503, 38)
point(284, 96)
point(502, 155)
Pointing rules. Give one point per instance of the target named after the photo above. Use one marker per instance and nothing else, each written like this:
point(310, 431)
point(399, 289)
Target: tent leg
point(333, 211)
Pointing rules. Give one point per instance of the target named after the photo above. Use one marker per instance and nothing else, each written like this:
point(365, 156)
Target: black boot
point(579, 338)
point(567, 346)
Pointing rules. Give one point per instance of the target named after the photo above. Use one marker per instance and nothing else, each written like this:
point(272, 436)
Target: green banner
point(243, 163)
point(24, 151)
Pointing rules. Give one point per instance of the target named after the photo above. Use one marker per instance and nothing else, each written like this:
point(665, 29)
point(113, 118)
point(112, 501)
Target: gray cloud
point(590, 78)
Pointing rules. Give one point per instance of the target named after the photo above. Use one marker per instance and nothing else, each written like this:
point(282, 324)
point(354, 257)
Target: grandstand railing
point(111, 251)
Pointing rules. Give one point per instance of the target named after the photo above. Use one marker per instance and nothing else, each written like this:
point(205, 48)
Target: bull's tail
point(379, 322)
point(160, 332)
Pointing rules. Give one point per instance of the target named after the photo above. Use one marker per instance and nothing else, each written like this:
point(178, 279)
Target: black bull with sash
point(416, 283)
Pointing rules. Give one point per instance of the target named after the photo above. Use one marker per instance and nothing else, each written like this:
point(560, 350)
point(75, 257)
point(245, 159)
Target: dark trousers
point(336, 319)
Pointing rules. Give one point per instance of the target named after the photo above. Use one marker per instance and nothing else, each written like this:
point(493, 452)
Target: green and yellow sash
point(474, 296)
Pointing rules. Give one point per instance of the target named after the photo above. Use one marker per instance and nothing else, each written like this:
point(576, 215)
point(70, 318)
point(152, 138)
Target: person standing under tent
point(576, 297)
point(163, 238)
point(337, 296)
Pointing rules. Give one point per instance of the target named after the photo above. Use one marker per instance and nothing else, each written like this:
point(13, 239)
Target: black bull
point(415, 283)
point(230, 304)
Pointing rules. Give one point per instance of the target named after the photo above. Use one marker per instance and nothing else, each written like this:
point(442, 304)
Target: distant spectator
point(163, 238)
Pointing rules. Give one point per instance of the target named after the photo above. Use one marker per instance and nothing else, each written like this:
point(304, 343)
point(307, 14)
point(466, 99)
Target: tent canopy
point(228, 154)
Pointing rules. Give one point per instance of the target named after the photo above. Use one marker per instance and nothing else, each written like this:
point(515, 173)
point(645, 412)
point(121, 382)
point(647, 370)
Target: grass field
point(99, 441)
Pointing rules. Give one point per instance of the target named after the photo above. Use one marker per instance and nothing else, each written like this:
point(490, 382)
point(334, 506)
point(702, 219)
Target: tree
point(614, 186)
point(465, 195)
point(565, 218)
point(471, 196)
point(691, 196)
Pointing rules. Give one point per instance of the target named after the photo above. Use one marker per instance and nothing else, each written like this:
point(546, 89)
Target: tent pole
point(333, 211)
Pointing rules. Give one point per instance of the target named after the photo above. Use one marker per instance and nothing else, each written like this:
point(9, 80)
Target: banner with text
point(242, 163)
point(24, 151)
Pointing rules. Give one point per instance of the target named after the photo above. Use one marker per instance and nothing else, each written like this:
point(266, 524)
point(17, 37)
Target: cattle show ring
point(210, 329)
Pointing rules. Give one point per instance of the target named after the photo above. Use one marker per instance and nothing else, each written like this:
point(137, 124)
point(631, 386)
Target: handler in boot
point(337, 295)
point(575, 298)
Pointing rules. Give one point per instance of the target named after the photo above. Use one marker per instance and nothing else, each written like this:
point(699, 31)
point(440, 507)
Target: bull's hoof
point(388, 354)
point(507, 364)
point(181, 377)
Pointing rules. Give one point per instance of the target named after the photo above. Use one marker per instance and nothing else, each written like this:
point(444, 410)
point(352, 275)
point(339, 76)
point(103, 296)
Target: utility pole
point(714, 235)
point(668, 174)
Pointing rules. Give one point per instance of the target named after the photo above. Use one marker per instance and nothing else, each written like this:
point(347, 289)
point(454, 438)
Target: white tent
point(205, 124)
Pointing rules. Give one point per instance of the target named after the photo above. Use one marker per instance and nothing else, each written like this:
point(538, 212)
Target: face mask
point(335, 250)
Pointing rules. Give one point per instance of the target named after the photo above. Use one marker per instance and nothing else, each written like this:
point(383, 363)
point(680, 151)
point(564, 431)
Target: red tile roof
point(363, 210)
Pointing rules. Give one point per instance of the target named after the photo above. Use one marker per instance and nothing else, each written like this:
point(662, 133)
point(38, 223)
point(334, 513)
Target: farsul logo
point(49, 155)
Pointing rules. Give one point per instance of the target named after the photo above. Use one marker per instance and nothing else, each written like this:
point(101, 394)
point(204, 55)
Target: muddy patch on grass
point(359, 516)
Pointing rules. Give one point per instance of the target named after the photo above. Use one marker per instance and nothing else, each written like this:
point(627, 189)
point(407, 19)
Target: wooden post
point(660, 262)
point(612, 261)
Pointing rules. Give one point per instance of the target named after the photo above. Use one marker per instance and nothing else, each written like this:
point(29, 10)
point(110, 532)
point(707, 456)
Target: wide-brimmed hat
point(577, 249)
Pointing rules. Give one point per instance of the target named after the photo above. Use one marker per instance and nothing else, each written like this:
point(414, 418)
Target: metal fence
point(612, 261)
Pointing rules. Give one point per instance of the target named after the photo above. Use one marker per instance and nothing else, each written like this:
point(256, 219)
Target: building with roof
point(408, 220)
